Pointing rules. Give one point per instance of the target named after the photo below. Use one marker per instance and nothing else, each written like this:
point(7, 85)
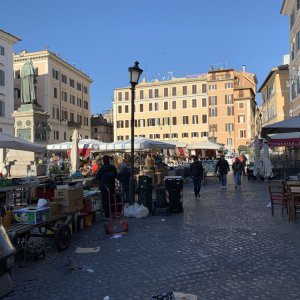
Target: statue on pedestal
point(28, 81)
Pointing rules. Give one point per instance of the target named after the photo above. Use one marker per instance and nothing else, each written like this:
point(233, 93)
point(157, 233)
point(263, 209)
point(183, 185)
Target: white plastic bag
point(136, 211)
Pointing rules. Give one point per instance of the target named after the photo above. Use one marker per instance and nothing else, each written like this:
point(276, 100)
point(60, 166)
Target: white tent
point(289, 125)
point(139, 144)
point(206, 145)
point(82, 144)
point(266, 161)
point(11, 142)
point(257, 163)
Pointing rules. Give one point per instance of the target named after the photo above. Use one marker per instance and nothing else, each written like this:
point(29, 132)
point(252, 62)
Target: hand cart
point(58, 227)
point(117, 222)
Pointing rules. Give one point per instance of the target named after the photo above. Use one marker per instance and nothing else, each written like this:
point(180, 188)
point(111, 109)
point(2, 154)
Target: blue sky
point(104, 37)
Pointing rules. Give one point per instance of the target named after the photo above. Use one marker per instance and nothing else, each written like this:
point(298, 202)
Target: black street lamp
point(135, 73)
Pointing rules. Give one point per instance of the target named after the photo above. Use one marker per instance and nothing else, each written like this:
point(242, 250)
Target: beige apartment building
point(62, 90)
point(291, 8)
point(101, 129)
point(275, 96)
point(219, 105)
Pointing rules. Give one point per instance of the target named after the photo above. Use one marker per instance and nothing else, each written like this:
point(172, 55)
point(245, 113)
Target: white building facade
point(7, 41)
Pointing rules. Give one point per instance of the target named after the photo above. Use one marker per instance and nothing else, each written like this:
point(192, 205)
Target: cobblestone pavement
point(226, 245)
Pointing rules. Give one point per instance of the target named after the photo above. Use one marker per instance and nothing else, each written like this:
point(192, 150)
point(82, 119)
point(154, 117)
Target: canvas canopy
point(206, 145)
point(291, 139)
point(11, 142)
point(290, 125)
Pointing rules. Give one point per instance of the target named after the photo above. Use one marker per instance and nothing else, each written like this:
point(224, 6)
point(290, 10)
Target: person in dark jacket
point(124, 177)
point(222, 167)
point(106, 176)
point(237, 167)
point(197, 171)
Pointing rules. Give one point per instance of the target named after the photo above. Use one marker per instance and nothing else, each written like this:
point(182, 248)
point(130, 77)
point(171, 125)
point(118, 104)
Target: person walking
point(222, 167)
point(237, 167)
point(197, 171)
point(106, 176)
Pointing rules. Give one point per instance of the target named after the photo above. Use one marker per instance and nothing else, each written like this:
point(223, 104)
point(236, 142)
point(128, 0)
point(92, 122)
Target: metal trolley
point(117, 222)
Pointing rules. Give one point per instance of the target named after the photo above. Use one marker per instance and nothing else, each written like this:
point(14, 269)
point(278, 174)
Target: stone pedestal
point(31, 124)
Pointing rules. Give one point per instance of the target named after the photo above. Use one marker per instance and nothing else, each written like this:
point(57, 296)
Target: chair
point(277, 197)
point(294, 203)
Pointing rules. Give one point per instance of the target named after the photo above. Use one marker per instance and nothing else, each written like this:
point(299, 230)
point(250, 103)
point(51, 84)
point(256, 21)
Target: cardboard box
point(88, 220)
point(91, 204)
point(7, 220)
point(32, 215)
point(70, 205)
point(70, 193)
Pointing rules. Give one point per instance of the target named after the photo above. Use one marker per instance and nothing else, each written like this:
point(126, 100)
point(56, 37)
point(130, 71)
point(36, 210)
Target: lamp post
point(135, 73)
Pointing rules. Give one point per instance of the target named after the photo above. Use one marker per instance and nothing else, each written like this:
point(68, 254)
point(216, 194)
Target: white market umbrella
point(11, 142)
point(266, 161)
point(257, 163)
point(206, 145)
point(74, 152)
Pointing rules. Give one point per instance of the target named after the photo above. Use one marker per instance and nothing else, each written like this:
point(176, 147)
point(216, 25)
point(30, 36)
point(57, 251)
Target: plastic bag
point(136, 211)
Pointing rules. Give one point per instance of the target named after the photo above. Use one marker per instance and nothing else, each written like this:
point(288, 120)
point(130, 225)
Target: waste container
point(174, 192)
point(145, 191)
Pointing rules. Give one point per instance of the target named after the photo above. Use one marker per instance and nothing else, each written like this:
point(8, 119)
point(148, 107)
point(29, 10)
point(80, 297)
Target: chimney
point(243, 68)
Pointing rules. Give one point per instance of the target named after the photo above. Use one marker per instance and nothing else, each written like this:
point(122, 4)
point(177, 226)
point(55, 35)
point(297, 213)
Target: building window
point(71, 117)
point(141, 123)
point(156, 106)
point(120, 96)
point(54, 74)
point(86, 105)
point(228, 85)
point(194, 119)
point(141, 107)
point(185, 135)
point(120, 124)
point(241, 105)
point(166, 121)
point(204, 119)
point(242, 134)
point(119, 109)
point(85, 89)
point(204, 134)
point(78, 86)
point(212, 100)
point(241, 93)
point(213, 112)
point(166, 107)
point(150, 94)
point(184, 90)
point(166, 92)
point(17, 93)
point(174, 120)
point(156, 136)
point(150, 106)
point(241, 118)
point(2, 51)
point(72, 99)
point(126, 96)
point(120, 137)
point(95, 129)
point(126, 123)
point(173, 104)
point(2, 78)
point(64, 96)
point(126, 109)
point(185, 120)
point(166, 136)
point(141, 94)
point(229, 127)
point(230, 111)
point(212, 87)
point(156, 94)
point(174, 135)
point(57, 114)
point(72, 82)
point(204, 104)
point(184, 104)
point(64, 115)
point(195, 134)
point(229, 141)
point(2, 109)
point(228, 99)
point(174, 91)
point(79, 102)
point(55, 92)
point(194, 89)
point(65, 136)
point(64, 78)
point(204, 90)
point(194, 103)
